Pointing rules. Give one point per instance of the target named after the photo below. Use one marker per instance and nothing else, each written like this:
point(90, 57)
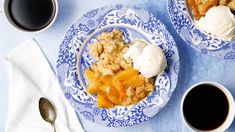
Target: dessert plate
point(183, 23)
point(74, 58)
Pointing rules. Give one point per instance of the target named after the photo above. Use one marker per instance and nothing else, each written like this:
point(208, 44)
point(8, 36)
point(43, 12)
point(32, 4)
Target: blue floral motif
point(119, 6)
point(77, 83)
point(204, 51)
point(91, 13)
point(129, 21)
point(67, 95)
point(183, 23)
point(177, 67)
point(170, 63)
point(74, 58)
point(104, 115)
point(83, 27)
point(170, 53)
point(233, 46)
point(87, 115)
point(152, 96)
point(90, 23)
point(96, 111)
point(230, 55)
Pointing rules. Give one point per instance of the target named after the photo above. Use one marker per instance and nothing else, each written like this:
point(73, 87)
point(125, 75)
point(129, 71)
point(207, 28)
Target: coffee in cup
point(208, 106)
point(30, 15)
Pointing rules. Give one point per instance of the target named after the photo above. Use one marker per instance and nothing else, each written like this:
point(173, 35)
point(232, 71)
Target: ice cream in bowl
point(214, 17)
point(148, 59)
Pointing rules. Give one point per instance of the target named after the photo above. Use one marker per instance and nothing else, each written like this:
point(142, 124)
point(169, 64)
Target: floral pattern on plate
point(74, 58)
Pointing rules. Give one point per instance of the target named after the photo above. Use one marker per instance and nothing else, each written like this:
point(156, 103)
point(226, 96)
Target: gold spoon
point(47, 111)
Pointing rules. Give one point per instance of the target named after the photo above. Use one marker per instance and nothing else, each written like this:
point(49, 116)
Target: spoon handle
point(53, 127)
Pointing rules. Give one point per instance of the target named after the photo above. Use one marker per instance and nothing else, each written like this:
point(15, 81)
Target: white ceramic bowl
point(231, 111)
point(183, 22)
point(13, 24)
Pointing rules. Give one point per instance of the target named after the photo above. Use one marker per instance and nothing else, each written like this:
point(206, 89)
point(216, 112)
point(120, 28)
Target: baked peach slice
point(103, 101)
point(127, 74)
point(92, 80)
point(134, 81)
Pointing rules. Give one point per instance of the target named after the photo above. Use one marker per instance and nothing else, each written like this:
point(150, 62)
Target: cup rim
point(24, 30)
point(231, 113)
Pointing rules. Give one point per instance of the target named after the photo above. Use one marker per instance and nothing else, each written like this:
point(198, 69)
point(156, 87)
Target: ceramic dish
point(74, 58)
point(183, 23)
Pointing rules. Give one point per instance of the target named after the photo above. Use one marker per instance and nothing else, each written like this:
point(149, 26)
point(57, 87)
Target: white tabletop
point(194, 66)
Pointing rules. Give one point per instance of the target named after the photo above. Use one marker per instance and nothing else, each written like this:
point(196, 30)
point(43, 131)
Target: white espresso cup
point(12, 22)
point(185, 102)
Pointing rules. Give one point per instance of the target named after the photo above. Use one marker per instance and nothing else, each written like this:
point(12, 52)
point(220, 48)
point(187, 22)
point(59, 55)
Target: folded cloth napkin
point(31, 77)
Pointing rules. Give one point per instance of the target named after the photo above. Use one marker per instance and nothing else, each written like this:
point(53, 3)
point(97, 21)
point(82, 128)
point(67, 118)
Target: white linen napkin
point(31, 77)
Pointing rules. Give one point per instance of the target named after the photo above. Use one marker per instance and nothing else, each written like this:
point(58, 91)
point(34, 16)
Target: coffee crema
point(32, 15)
point(205, 107)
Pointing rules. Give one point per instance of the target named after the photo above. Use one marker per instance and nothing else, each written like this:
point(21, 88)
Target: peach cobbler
point(113, 78)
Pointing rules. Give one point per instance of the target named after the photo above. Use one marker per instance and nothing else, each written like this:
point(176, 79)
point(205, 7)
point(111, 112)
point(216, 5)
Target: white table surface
point(194, 66)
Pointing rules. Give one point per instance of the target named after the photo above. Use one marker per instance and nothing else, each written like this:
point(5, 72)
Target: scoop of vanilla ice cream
point(148, 59)
point(153, 61)
point(219, 22)
point(135, 50)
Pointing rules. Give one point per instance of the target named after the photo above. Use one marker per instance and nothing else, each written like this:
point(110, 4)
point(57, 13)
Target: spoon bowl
point(47, 111)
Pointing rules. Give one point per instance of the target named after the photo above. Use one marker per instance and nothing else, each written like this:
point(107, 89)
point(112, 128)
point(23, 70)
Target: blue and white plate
point(74, 58)
point(183, 23)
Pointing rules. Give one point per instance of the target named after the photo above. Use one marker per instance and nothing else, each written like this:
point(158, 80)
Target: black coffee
point(32, 14)
point(205, 107)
